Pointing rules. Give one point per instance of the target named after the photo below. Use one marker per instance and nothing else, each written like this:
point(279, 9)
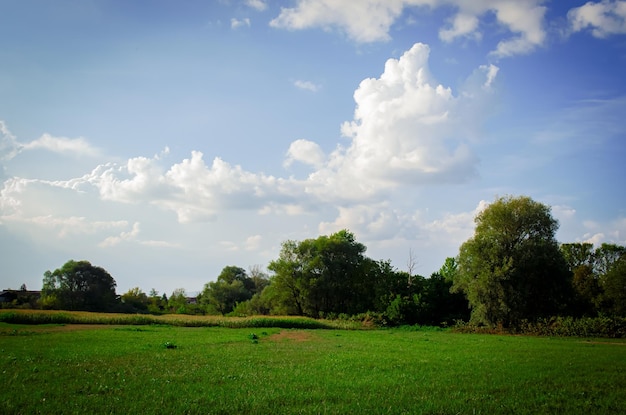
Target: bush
point(610, 327)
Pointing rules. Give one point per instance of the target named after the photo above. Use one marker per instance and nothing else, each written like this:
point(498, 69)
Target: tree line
point(512, 270)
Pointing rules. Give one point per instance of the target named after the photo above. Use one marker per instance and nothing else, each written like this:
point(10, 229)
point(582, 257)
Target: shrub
point(611, 327)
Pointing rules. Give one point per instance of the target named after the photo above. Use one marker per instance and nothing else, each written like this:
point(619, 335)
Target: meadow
point(60, 368)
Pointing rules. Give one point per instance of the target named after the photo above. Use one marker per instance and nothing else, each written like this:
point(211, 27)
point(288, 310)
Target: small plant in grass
point(254, 338)
point(169, 345)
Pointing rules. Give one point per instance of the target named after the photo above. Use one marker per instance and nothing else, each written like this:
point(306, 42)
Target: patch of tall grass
point(178, 320)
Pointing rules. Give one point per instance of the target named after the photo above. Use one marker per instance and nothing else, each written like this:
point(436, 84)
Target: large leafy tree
point(78, 285)
point(135, 300)
point(329, 274)
point(178, 301)
point(512, 269)
point(233, 286)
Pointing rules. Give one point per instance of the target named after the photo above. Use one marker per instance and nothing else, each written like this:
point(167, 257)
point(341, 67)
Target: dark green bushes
point(609, 327)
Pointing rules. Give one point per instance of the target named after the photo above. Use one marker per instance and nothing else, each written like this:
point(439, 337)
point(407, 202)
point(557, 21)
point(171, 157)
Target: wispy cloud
point(11, 147)
point(306, 85)
point(259, 5)
point(76, 146)
point(124, 236)
point(236, 23)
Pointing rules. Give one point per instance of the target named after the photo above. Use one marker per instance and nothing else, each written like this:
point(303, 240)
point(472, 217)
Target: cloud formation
point(306, 85)
point(407, 130)
point(306, 152)
point(63, 145)
point(363, 21)
point(371, 20)
point(236, 23)
point(258, 5)
point(10, 147)
point(604, 18)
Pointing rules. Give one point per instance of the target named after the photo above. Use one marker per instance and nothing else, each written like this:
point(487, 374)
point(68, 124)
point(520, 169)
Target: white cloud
point(146, 181)
point(363, 21)
point(371, 20)
point(372, 221)
point(195, 191)
point(613, 231)
point(462, 25)
point(596, 239)
point(456, 228)
point(253, 242)
point(306, 152)
point(407, 129)
point(258, 5)
point(9, 147)
point(562, 212)
point(306, 85)
point(236, 24)
point(492, 72)
point(63, 226)
point(124, 236)
point(133, 237)
point(77, 146)
point(604, 18)
point(524, 18)
point(289, 209)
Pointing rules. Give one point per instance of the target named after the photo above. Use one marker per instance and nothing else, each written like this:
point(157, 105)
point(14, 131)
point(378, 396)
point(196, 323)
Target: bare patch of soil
point(296, 336)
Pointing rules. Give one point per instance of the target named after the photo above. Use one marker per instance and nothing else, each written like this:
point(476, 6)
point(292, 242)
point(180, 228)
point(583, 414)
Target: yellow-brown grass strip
point(180, 320)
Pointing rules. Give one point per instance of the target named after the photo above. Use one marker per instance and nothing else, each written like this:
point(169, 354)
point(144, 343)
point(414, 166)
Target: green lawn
point(128, 370)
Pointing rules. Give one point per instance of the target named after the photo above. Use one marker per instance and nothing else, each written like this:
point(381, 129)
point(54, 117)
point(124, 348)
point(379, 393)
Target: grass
point(56, 369)
point(180, 320)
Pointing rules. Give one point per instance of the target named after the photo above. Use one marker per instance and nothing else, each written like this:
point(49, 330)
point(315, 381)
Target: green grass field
point(81, 369)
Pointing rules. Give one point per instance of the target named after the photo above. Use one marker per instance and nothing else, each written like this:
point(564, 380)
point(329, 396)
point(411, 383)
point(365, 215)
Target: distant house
point(22, 296)
point(192, 300)
point(7, 296)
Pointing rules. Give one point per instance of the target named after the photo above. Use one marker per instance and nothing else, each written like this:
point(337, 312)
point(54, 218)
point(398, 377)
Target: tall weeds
point(79, 317)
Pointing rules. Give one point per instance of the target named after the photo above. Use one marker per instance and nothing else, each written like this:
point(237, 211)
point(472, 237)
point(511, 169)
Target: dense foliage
point(598, 278)
point(512, 269)
point(233, 286)
point(331, 276)
point(78, 285)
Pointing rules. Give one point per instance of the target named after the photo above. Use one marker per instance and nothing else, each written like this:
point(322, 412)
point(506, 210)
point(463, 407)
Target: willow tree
point(512, 269)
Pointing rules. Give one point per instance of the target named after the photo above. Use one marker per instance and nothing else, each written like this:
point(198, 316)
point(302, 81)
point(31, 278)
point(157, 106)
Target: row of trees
point(511, 270)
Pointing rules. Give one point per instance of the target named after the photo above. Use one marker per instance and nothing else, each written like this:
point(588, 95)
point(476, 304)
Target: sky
point(163, 141)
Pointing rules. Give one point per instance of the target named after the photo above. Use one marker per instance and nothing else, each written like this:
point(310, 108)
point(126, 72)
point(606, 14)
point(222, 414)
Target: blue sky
point(163, 141)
